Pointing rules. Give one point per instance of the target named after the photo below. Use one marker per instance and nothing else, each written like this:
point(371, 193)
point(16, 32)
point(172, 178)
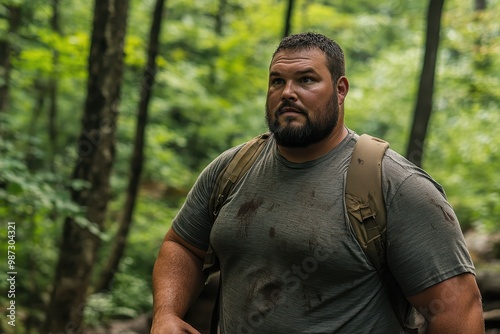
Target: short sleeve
point(193, 222)
point(425, 242)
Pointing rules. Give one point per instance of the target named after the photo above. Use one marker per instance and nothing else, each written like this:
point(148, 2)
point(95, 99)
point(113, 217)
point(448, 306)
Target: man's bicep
point(172, 236)
point(454, 303)
point(177, 278)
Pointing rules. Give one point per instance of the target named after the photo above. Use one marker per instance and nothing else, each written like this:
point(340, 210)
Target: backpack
point(364, 202)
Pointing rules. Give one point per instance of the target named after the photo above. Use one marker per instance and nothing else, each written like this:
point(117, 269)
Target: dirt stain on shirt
point(247, 212)
point(449, 217)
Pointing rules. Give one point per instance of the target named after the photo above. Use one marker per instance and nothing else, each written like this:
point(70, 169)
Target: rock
point(488, 280)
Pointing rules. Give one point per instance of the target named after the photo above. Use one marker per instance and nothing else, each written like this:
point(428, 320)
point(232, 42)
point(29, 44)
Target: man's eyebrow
point(308, 70)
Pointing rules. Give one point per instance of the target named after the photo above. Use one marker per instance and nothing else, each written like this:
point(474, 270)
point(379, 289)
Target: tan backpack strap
point(366, 210)
point(364, 198)
point(232, 173)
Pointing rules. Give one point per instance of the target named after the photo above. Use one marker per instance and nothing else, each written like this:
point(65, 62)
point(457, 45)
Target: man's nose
point(289, 92)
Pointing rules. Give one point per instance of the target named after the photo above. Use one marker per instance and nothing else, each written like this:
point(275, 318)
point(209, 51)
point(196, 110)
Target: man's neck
point(317, 150)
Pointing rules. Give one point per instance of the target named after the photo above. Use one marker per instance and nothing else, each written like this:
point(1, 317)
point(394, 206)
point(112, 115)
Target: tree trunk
point(218, 29)
point(136, 162)
point(479, 5)
point(219, 17)
point(423, 107)
point(53, 86)
point(288, 19)
point(96, 148)
point(482, 62)
point(14, 21)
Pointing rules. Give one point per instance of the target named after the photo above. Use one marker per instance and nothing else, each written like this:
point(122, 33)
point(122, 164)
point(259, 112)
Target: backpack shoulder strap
point(234, 170)
point(366, 210)
point(364, 198)
point(227, 179)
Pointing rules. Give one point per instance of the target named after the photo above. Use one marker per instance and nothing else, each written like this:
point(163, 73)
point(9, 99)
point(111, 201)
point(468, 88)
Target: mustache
point(289, 104)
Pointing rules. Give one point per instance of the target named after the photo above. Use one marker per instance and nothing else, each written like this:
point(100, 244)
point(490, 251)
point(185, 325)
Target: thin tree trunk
point(479, 5)
point(53, 86)
point(136, 162)
point(14, 21)
point(218, 29)
point(96, 148)
point(482, 62)
point(219, 17)
point(423, 106)
point(288, 18)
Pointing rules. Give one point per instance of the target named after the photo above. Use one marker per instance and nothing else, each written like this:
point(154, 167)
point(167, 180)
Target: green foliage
point(37, 202)
point(463, 149)
point(129, 294)
point(128, 298)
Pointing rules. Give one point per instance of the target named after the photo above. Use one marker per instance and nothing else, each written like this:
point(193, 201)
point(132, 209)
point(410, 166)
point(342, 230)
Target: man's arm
point(177, 281)
point(452, 306)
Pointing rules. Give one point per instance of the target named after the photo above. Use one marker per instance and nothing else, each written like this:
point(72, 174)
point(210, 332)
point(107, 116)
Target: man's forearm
point(470, 322)
point(451, 306)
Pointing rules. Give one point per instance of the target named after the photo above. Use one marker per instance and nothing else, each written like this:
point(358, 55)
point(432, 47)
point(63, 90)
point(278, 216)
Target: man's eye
point(277, 81)
point(306, 80)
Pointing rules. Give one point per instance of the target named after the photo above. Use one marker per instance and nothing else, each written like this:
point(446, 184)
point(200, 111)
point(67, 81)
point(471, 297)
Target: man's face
point(302, 104)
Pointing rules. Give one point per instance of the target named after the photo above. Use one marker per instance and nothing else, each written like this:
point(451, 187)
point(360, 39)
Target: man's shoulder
point(397, 170)
point(396, 165)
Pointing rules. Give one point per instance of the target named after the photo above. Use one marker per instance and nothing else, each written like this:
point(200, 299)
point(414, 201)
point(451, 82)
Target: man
point(289, 260)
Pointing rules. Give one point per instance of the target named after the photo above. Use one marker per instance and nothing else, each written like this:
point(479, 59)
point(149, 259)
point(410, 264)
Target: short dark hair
point(309, 40)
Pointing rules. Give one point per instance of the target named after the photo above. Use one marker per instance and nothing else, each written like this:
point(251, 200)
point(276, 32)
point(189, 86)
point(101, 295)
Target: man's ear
point(342, 89)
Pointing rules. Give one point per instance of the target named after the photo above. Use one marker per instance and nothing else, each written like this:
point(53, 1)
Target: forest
point(110, 109)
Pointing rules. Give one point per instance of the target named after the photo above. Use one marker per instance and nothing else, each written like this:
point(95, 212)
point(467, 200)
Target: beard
point(313, 131)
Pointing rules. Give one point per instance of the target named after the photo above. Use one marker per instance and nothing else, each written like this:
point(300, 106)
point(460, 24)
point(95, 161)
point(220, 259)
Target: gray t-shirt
point(290, 262)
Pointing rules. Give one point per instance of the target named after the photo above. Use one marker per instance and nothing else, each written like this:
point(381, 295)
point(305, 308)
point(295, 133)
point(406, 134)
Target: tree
point(479, 5)
point(137, 159)
point(288, 19)
point(423, 106)
point(53, 84)
point(219, 17)
point(96, 144)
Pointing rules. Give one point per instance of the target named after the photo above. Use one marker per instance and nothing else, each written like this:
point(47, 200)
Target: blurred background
point(109, 111)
